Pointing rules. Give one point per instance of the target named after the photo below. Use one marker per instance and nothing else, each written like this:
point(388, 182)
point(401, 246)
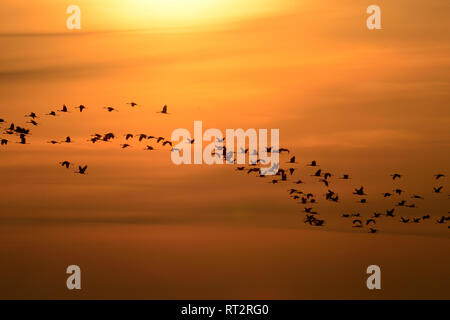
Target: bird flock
point(286, 175)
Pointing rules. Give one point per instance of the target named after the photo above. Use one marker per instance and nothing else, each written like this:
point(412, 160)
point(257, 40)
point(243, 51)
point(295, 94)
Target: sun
point(184, 12)
point(179, 11)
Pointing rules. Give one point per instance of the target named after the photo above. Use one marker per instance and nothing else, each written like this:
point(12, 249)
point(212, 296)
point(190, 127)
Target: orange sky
point(362, 102)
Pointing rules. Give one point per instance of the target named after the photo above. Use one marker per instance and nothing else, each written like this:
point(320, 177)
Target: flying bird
point(65, 164)
point(437, 190)
point(282, 150)
point(164, 110)
point(376, 215)
point(32, 115)
point(81, 170)
point(390, 213)
point(110, 109)
point(22, 139)
point(318, 173)
point(395, 176)
point(81, 107)
point(359, 192)
point(357, 223)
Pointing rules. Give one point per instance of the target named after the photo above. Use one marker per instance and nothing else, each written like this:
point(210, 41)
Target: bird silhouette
point(357, 223)
point(318, 173)
point(280, 150)
point(439, 175)
point(164, 110)
point(81, 107)
point(32, 115)
point(441, 220)
point(376, 215)
point(4, 142)
point(396, 176)
point(390, 213)
point(360, 191)
point(312, 164)
point(63, 109)
point(82, 170)
point(437, 190)
point(65, 164)
point(149, 148)
point(22, 139)
point(110, 109)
